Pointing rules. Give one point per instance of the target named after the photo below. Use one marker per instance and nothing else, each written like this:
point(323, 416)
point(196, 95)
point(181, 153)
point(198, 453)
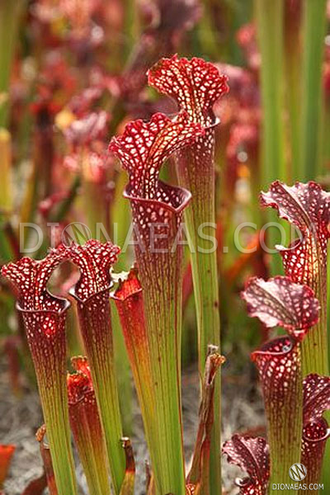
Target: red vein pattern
point(316, 396)
point(80, 382)
point(307, 207)
point(144, 146)
point(315, 436)
point(128, 298)
point(80, 365)
point(195, 84)
point(279, 301)
point(44, 318)
point(86, 427)
point(95, 260)
point(316, 431)
point(279, 366)
point(157, 210)
point(29, 278)
point(277, 362)
point(252, 456)
point(92, 292)
point(316, 400)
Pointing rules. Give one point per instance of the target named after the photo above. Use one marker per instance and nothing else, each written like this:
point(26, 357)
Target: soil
point(20, 417)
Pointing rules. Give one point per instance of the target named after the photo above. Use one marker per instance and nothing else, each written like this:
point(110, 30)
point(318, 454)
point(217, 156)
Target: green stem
point(292, 56)
point(124, 376)
point(9, 19)
point(6, 251)
point(270, 14)
point(205, 275)
point(315, 349)
point(129, 302)
point(270, 35)
point(166, 365)
point(46, 337)
point(56, 418)
point(159, 261)
point(315, 345)
point(313, 44)
point(5, 170)
point(96, 205)
point(120, 215)
point(88, 436)
point(206, 290)
point(96, 331)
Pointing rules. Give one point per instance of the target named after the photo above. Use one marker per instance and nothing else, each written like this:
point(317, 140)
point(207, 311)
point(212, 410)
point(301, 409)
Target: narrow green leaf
point(313, 49)
point(9, 23)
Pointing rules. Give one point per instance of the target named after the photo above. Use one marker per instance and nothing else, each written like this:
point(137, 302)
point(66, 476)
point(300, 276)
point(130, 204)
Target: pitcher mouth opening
point(61, 300)
point(267, 348)
point(215, 121)
point(121, 295)
point(184, 196)
point(72, 293)
point(325, 430)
